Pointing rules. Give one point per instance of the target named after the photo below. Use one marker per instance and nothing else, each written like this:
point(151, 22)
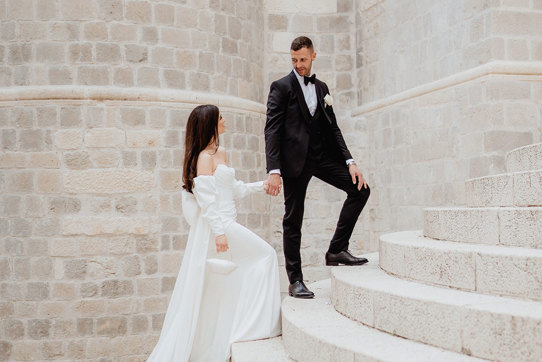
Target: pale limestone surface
point(518, 276)
point(489, 191)
point(512, 226)
point(302, 6)
point(487, 269)
point(511, 189)
point(528, 188)
point(314, 331)
point(408, 255)
point(462, 224)
point(102, 225)
point(528, 158)
point(264, 350)
point(144, 139)
point(69, 139)
point(108, 181)
point(521, 227)
point(443, 317)
point(418, 45)
point(494, 334)
point(105, 137)
point(423, 145)
point(178, 45)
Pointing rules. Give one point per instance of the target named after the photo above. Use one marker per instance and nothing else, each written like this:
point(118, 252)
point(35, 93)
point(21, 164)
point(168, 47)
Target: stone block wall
point(330, 25)
point(405, 44)
point(423, 149)
point(94, 96)
point(92, 233)
point(445, 89)
point(188, 44)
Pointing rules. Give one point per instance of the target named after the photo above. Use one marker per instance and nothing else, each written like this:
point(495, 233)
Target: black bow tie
point(311, 79)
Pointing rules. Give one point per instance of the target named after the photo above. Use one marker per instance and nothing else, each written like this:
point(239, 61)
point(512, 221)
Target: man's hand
point(274, 184)
point(221, 243)
point(357, 176)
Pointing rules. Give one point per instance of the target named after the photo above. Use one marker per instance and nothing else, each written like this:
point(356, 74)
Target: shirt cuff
point(277, 171)
point(349, 161)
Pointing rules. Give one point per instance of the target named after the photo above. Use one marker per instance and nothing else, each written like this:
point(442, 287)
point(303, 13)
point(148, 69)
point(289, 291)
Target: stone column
point(94, 98)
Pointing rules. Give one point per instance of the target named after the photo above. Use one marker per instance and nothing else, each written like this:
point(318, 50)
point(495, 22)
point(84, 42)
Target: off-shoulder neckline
point(219, 164)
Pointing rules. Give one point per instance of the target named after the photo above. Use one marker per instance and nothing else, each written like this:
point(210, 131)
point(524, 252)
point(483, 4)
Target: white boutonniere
point(328, 100)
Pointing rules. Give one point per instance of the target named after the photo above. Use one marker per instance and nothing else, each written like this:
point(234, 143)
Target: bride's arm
point(241, 189)
point(205, 193)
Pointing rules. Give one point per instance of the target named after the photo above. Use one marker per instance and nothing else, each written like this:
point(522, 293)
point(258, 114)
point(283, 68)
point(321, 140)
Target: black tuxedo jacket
point(287, 128)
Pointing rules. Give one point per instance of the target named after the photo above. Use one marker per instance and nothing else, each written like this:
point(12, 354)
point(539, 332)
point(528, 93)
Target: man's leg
point(294, 205)
point(336, 174)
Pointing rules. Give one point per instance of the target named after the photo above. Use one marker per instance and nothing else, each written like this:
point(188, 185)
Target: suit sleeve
point(336, 131)
point(276, 112)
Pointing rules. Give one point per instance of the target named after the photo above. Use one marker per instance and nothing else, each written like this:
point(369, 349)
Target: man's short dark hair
point(301, 42)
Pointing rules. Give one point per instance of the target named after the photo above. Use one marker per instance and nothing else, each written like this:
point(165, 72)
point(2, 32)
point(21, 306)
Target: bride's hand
point(221, 243)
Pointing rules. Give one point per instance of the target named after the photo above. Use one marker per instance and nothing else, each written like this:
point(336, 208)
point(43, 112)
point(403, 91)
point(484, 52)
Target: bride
point(208, 311)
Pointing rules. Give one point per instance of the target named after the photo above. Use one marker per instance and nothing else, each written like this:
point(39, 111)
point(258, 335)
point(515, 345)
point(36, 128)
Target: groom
point(302, 139)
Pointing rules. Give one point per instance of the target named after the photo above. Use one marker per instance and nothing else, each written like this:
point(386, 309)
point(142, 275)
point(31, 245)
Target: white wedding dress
point(208, 312)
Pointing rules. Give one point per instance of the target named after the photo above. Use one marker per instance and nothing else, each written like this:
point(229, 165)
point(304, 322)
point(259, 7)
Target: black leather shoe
point(299, 290)
point(344, 257)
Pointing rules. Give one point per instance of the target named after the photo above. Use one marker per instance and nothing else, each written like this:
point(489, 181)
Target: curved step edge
point(526, 158)
point(262, 350)
point(483, 326)
point(312, 330)
point(495, 270)
point(509, 189)
point(507, 226)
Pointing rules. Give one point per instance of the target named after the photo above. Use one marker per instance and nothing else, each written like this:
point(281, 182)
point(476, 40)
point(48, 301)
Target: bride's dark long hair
point(201, 130)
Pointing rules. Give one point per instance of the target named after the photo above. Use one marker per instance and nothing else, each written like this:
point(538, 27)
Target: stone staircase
point(467, 288)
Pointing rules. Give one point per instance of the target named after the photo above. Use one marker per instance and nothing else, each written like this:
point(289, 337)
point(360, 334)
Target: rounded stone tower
point(94, 98)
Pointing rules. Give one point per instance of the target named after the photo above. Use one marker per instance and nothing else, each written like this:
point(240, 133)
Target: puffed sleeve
point(241, 189)
point(205, 193)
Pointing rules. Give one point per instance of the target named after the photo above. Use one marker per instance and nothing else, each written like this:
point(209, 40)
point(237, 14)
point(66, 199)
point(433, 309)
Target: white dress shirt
point(309, 93)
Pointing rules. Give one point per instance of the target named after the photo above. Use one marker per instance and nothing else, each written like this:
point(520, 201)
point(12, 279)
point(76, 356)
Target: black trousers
point(335, 173)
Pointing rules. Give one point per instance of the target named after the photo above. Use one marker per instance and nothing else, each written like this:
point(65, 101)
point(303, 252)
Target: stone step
point(510, 189)
point(509, 226)
point(263, 350)
point(489, 327)
point(527, 158)
point(488, 269)
point(313, 330)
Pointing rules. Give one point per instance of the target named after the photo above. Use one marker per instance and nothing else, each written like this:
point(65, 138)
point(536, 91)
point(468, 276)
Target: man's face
point(302, 60)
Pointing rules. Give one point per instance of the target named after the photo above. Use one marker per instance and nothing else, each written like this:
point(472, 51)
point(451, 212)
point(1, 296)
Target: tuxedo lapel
point(300, 97)
point(320, 97)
